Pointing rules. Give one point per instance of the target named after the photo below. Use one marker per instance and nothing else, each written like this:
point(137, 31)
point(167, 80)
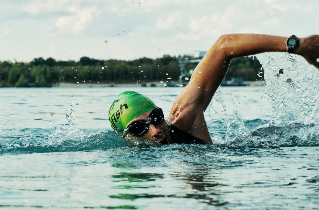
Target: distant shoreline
point(147, 84)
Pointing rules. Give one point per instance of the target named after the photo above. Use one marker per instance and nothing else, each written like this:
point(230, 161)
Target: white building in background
point(199, 54)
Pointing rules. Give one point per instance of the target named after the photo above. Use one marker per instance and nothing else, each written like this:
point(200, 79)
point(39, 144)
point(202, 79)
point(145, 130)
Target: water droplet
point(77, 82)
point(200, 72)
point(139, 66)
point(102, 67)
point(231, 52)
point(259, 74)
point(166, 73)
point(318, 60)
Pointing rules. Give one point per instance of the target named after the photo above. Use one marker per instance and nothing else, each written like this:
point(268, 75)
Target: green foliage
point(22, 82)
point(45, 72)
point(247, 67)
point(86, 61)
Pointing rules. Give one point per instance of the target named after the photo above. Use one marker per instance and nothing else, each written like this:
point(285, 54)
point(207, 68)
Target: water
point(58, 150)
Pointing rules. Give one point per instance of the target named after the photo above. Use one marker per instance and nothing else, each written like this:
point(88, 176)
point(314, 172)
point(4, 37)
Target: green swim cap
point(126, 107)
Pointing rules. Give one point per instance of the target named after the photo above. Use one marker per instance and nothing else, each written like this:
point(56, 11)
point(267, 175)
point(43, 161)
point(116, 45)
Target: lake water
point(58, 150)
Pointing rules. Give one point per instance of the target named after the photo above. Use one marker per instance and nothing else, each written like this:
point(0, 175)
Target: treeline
point(47, 72)
point(248, 68)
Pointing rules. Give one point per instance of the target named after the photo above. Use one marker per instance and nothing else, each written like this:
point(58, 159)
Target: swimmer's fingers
point(309, 49)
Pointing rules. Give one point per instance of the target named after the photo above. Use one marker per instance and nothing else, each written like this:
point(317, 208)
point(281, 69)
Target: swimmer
point(136, 118)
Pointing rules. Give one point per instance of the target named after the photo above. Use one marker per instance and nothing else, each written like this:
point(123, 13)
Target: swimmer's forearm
point(236, 45)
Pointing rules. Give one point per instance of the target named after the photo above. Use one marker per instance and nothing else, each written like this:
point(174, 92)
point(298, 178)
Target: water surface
point(58, 150)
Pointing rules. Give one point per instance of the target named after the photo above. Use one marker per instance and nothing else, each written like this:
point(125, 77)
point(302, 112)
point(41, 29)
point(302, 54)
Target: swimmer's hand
point(309, 49)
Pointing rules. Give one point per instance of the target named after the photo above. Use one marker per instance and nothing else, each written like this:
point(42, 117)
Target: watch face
point(291, 42)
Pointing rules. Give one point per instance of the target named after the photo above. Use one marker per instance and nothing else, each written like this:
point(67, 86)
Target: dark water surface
point(57, 150)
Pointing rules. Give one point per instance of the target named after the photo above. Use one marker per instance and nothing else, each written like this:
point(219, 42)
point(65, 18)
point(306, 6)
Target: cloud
point(69, 17)
point(211, 25)
point(142, 27)
point(271, 22)
point(74, 23)
point(150, 5)
point(38, 7)
point(5, 32)
point(166, 22)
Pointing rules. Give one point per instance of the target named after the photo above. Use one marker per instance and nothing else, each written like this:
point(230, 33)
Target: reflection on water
point(190, 176)
point(205, 189)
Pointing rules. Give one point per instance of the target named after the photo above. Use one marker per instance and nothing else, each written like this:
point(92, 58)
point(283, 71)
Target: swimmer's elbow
point(224, 45)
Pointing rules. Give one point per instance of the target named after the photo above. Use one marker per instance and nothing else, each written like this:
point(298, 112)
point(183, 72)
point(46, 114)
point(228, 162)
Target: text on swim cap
point(115, 116)
point(112, 106)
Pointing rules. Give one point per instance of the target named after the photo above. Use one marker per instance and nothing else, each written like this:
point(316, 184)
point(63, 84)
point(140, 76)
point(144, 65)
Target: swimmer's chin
point(142, 141)
point(162, 141)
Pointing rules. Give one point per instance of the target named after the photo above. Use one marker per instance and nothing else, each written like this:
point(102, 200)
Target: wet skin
point(155, 132)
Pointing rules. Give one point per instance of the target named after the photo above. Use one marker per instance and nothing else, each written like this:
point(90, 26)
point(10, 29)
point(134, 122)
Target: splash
point(62, 138)
point(292, 89)
point(292, 85)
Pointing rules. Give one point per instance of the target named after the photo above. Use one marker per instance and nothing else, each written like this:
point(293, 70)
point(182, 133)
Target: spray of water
point(292, 88)
point(292, 85)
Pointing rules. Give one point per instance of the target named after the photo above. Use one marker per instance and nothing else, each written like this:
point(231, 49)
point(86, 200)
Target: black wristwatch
point(292, 43)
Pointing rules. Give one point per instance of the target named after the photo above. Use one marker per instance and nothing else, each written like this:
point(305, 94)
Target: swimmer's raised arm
point(188, 109)
point(211, 70)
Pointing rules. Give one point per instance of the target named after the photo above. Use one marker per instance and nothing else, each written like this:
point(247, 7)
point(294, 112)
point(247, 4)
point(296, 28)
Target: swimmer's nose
point(153, 130)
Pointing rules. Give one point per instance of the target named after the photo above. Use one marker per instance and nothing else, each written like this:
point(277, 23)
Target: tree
point(50, 62)
point(38, 61)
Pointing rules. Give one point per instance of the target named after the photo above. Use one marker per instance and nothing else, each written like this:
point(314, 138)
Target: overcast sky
point(129, 29)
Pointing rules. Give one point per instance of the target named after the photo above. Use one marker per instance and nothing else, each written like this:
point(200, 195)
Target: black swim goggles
point(138, 128)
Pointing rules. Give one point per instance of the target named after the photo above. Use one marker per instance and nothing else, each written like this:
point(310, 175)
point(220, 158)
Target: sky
point(131, 29)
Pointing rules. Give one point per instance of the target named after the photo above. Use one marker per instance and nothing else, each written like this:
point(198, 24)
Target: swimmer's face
point(157, 133)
